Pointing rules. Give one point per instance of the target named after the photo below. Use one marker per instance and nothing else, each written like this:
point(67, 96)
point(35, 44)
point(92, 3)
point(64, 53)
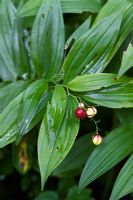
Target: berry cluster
point(81, 113)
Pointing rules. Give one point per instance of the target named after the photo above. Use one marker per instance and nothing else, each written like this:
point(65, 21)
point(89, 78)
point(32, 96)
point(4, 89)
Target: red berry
point(80, 113)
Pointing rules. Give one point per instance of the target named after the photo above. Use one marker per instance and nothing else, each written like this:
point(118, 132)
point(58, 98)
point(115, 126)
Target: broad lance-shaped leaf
point(8, 69)
point(9, 128)
point(90, 82)
point(124, 181)
point(78, 155)
point(117, 96)
point(127, 60)
point(31, 7)
point(115, 147)
point(47, 141)
point(83, 28)
point(57, 133)
point(126, 27)
point(91, 46)
point(30, 105)
point(10, 91)
point(48, 39)
point(13, 55)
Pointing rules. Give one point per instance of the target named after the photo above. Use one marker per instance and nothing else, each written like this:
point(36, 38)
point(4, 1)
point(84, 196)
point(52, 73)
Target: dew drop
point(25, 76)
point(26, 121)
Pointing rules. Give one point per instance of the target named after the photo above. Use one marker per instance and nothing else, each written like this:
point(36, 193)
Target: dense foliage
point(55, 54)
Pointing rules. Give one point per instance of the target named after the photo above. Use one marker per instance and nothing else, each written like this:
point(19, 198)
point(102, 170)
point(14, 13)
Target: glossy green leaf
point(90, 82)
point(115, 147)
point(68, 6)
point(8, 69)
point(8, 119)
point(110, 7)
point(83, 28)
point(11, 123)
point(79, 6)
point(77, 156)
point(30, 105)
point(47, 141)
point(10, 91)
point(117, 96)
point(126, 27)
point(57, 133)
point(48, 39)
point(19, 53)
point(124, 181)
point(91, 46)
point(13, 55)
point(127, 60)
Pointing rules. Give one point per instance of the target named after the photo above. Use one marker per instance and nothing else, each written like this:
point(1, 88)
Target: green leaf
point(74, 195)
point(115, 147)
point(47, 141)
point(126, 27)
point(68, 6)
point(13, 55)
point(10, 117)
point(79, 6)
point(48, 39)
point(57, 133)
point(2, 84)
point(30, 105)
point(111, 7)
point(83, 28)
point(10, 91)
point(19, 52)
point(124, 116)
point(49, 195)
point(92, 46)
point(127, 60)
point(124, 181)
point(17, 2)
point(8, 69)
point(90, 82)
point(77, 156)
point(117, 96)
